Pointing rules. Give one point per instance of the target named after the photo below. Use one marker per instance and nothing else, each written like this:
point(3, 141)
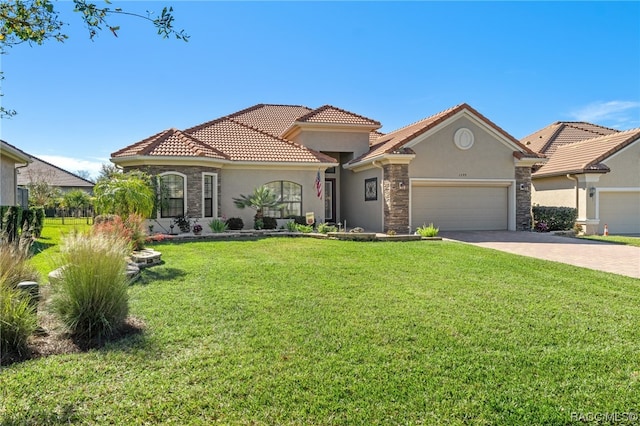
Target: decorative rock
point(32, 289)
point(146, 257)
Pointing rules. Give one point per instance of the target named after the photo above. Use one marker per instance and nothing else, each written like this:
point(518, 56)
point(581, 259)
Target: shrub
point(269, 222)
point(131, 230)
point(235, 223)
point(556, 218)
point(90, 298)
point(17, 321)
point(218, 226)
point(17, 316)
point(183, 222)
point(10, 222)
point(325, 228)
point(258, 223)
point(305, 229)
point(427, 231)
point(292, 226)
point(300, 220)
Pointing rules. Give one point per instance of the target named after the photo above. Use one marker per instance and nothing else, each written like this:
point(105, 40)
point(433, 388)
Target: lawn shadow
point(154, 273)
point(39, 246)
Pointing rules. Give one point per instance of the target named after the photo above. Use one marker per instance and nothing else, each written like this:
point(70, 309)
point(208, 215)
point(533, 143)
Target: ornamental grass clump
point(17, 315)
point(90, 298)
point(427, 231)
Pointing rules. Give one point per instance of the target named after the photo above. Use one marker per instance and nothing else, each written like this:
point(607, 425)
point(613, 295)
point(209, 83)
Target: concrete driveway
point(601, 256)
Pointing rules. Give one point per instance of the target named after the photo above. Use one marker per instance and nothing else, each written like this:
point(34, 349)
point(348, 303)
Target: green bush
point(10, 222)
point(300, 220)
point(17, 317)
point(325, 228)
point(218, 225)
point(269, 223)
point(90, 298)
point(18, 321)
point(305, 229)
point(235, 223)
point(555, 218)
point(427, 231)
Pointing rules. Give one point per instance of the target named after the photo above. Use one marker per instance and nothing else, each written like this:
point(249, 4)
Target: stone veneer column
point(396, 199)
point(524, 218)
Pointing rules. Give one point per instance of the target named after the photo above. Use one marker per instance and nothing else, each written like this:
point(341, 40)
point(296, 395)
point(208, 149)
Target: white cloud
point(74, 164)
point(612, 112)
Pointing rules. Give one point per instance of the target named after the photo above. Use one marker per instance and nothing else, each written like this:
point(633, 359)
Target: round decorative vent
point(463, 138)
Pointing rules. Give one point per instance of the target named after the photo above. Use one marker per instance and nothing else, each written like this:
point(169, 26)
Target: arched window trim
point(281, 212)
point(184, 192)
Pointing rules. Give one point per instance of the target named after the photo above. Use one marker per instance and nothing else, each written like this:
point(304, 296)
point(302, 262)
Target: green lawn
point(306, 331)
point(618, 239)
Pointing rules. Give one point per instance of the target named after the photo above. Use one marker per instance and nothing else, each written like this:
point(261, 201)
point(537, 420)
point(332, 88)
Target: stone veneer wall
point(524, 218)
point(396, 200)
point(194, 184)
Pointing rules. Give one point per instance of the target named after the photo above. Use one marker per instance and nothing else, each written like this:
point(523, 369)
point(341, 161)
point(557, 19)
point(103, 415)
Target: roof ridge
point(192, 139)
point(155, 140)
point(327, 106)
point(572, 124)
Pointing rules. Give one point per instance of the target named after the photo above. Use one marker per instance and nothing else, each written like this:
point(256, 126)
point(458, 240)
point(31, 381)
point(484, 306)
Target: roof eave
point(569, 172)
point(298, 126)
point(381, 160)
point(10, 151)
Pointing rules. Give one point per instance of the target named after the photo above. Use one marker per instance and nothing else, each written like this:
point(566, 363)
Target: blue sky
point(523, 65)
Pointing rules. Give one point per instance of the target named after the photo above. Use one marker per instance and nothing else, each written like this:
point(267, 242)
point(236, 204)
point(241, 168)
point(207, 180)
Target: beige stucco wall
point(236, 182)
point(7, 182)
point(557, 191)
point(625, 169)
point(333, 141)
point(355, 210)
point(438, 156)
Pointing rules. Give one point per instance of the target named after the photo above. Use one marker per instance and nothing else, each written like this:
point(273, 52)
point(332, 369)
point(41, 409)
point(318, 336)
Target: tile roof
point(333, 115)
point(170, 143)
point(392, 142)
point(587, 155)
point(241, 142)
point(55, 176)
point(547, 140)
point(374, 136)
point(273, 119)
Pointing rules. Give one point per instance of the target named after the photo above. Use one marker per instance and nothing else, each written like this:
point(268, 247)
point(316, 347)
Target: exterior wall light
point(592, 192)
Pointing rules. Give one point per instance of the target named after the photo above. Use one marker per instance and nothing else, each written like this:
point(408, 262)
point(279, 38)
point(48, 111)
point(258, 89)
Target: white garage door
point(620, 211)
point(455, 208)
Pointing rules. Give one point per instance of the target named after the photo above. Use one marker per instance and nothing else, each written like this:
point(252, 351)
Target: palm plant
point(124, 194)
point(261, 199)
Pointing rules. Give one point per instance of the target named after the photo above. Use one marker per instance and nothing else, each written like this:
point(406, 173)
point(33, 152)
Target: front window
point(173, 195)
point(207, 192)
point(290, 194)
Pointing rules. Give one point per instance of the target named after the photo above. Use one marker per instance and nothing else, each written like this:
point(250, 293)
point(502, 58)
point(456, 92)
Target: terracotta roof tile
point(170, 143)
point(374, 136)
point(245, 143)
point(393, 141)
point(333, 115)
point(587, 155)
point(273, 119)
point(547, 140)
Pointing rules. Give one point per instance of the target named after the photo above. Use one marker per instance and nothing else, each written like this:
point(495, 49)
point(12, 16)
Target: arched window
point(290, 194)
point(172, 195)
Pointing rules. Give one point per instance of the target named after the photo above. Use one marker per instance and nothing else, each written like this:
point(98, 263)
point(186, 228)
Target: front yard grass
point(305, 331)
point(618, 239)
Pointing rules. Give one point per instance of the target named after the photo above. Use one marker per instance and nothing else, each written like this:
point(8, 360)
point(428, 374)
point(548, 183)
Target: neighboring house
point(11, 160)
point(592, 168)
point(39, 170)
point(455, 169)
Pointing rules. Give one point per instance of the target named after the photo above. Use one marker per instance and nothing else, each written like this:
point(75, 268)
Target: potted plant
point(197, 229)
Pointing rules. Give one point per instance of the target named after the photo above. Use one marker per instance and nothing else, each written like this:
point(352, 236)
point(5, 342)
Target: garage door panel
point(460, 208)
point(620, 211)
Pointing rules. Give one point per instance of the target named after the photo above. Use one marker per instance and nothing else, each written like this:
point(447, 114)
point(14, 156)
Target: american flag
point(318, 185)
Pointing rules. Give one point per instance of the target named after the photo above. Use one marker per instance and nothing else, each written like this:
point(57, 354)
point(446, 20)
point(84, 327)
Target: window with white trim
point(209, 190)
point(173, 195)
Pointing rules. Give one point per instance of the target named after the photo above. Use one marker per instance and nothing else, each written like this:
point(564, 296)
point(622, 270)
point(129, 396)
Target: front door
point(329, 200)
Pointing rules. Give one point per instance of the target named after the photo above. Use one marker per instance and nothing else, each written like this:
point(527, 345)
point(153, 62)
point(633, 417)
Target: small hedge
point(269, 223)
point(555, 218)
point(235, 223)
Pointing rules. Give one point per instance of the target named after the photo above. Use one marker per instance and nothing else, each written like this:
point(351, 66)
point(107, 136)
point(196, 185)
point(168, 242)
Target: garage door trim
point(510, 184)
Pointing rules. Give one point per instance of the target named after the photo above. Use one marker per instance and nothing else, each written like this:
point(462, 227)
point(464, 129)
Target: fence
point(69, 217)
